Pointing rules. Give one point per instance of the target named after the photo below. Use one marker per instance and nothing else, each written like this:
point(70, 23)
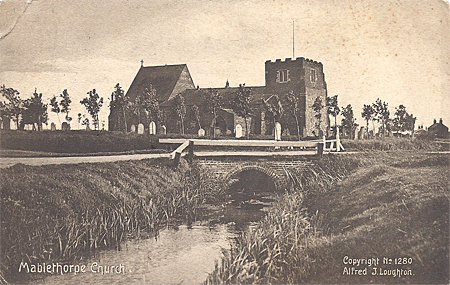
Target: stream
point(177, 255)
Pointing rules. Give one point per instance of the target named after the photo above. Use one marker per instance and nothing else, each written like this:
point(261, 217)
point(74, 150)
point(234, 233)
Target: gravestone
point(228, 132)
point(277, 131)
point(152, 128)
point(53, 126)
point(65, 126)
point(201, 133)
point(140, 129)
point(361, 133)
point(217, 131)
point(238, 131)
point(133, 128)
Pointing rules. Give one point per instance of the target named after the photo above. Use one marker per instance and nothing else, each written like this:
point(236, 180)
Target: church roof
point(163, 78)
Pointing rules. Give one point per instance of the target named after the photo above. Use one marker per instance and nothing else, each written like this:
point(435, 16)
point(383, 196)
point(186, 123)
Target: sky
point(397, 51)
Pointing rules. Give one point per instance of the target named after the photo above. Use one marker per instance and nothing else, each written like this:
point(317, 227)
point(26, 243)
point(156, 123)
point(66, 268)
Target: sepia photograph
point(224, 142)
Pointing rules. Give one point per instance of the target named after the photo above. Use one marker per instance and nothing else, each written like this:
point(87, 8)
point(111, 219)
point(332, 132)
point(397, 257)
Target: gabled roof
point(163, 78)
point(438, 125)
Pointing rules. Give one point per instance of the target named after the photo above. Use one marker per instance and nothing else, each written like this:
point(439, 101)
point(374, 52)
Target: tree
point(135, 107)
point(381, 114)
point(85, 122)
point(150, 104)
point(35, 111)
point(120, 102)
point(333, 109)
point(145, 103)
point(402, 120)
point(274, 110)
point(180, 110)
point(241, 105)
point(317, 108)
point(93, 103)
point(65, 104)
point(293, 108)
point(214, 103)
point(15, 107)
point(399, 122)
point(368, 114)
point(196, 113)
point(55, 107)
point(410, 122)
point(3, 111)
point(79, 120)
point(348, 121)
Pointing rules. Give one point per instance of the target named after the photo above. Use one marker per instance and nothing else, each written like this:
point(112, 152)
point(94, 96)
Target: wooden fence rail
point(321, 146)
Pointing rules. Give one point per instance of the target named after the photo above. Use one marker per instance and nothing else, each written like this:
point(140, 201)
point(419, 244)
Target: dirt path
point(10, 161)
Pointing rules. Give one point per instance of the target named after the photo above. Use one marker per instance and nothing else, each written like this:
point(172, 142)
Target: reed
point(64, 212)
point(362, 205)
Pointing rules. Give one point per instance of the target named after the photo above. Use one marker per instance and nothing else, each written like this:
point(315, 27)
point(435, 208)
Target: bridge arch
point(280, 179)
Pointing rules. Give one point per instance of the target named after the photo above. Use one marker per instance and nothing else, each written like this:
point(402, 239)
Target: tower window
point(313, 75)
point(283, 76)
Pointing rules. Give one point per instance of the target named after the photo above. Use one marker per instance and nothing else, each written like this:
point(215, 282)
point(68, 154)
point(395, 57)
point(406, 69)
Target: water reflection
point(177, 256)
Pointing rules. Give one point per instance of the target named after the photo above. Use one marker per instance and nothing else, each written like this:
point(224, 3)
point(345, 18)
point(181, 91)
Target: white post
point(338, 140)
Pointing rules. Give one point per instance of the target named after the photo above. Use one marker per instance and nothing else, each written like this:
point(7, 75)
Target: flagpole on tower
point(293, 40)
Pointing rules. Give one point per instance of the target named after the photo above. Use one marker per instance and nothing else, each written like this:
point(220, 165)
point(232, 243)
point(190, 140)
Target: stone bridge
point(226, 171)
point(223, 161)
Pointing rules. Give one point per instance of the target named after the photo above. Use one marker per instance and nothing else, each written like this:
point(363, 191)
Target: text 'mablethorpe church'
point(303, 76)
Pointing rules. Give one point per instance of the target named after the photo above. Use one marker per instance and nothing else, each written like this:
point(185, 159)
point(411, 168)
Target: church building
point(302, 76)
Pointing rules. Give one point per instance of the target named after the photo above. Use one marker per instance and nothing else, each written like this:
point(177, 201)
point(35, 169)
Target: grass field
point(396, 144)
point(392, 205)
point(75, 142)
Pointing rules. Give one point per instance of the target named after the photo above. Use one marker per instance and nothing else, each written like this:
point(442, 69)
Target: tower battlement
point(290, 60)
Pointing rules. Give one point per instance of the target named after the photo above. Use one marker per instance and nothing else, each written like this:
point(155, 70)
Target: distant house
point(438, 130)
point(420, 132)
point(304, 77)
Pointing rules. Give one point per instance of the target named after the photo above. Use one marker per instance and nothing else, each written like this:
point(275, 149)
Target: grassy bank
point(71, 142)
point(395, 144)
point(63, 212)
point(373, 205)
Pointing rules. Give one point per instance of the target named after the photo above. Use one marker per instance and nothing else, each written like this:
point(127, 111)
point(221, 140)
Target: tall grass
point(394, 144)
point(361, 206)
point(64, 212)
point(274, 251)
